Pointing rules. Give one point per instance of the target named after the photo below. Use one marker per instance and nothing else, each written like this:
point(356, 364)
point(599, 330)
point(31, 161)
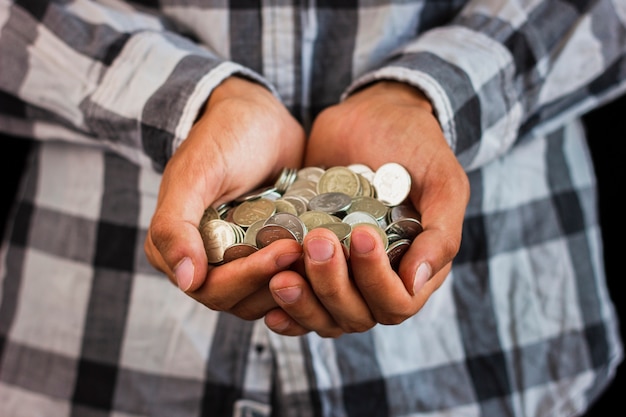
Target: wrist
point(401, 92)
point(232, 87)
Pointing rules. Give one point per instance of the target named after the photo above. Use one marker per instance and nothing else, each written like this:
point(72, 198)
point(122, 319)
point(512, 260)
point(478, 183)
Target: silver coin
point(310, 173)
point(216, 235)
point(359, 217)
point(223, 208)
point(393, 237)
point(302, 184)
point(306, 193)
point(392, 183)
point(298, 202)
point(258, 193)
point(239, 232)
point(370, 205)
point(210, 213)
point(332, 202)
point(290, 222)
point(367, 189)
point(363, 170)
point(285, 179)
point(250, 236)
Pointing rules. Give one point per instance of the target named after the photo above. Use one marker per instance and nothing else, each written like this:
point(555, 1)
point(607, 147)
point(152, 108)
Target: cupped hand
point(385, 122)
point(241, 141)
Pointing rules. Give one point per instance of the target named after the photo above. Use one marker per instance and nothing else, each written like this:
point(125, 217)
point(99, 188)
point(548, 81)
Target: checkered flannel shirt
point(523, 325)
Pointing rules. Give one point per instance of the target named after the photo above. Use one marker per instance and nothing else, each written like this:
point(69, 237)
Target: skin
point(243, 138)
point(311, 287)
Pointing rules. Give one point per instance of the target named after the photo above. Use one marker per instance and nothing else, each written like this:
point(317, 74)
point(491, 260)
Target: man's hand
point(386, 122)
point(242, 140)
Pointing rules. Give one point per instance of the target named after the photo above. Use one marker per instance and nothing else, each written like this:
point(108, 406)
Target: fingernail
point(421, 276)
point(362, 242)
point(320, 250)
point(287, 259)
point(289, 295)
point(184, 274)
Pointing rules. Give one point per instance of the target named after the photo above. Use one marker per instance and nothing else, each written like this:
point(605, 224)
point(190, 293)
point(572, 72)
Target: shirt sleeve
point(103, 75)
point(501, 71)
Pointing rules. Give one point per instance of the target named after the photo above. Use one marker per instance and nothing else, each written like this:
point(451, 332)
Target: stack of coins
point(337, 198)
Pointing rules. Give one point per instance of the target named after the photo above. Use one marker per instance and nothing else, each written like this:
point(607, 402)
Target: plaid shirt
point(523, 325)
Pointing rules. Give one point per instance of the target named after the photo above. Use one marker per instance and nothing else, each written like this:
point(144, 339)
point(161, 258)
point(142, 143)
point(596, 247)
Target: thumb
point(176, 249)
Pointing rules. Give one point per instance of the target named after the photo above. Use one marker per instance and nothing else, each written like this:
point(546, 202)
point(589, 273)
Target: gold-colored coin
point(340, 229)
point(314, 218)
point(285, 206)
point(248, 212)
point(339, 180)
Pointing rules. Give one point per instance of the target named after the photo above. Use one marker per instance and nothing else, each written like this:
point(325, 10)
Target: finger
point(426, 260)
point(384, 292)
point(156, 260)
point(300, 305)
point(174, 245)
point(327, 271)
point(441, 196)
point(255, 306)
point(278, 321)
point(442, 215)
point(229, 284)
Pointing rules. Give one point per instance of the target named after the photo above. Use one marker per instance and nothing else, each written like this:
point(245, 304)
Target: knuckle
point(451, 245)
point(247, 314)
point(357, 327)
point(392, 320)
point(328, 292)
point(393, 317)
point(332, 333)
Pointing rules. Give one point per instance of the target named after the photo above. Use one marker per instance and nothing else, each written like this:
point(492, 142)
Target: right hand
point(242, 140)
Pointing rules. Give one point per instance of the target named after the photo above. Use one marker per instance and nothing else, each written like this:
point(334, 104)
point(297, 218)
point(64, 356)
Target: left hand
point(385, 122)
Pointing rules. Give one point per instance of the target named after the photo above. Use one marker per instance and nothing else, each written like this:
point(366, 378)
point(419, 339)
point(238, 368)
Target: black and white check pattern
point(523, 326)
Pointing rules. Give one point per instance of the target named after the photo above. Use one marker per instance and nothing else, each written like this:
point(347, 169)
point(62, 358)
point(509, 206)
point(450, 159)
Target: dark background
point(606, 129)
point(607, 133)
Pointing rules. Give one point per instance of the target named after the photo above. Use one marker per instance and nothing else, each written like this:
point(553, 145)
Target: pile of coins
point(337, 198)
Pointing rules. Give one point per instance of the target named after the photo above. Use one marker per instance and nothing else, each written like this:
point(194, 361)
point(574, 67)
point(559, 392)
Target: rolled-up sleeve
point(103, 76)
point(500, 71)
